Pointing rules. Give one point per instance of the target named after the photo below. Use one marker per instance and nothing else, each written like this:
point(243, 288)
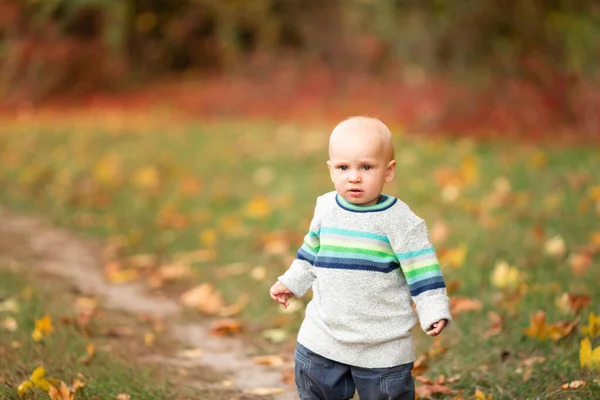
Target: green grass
point(110, 370)
point(86, 176)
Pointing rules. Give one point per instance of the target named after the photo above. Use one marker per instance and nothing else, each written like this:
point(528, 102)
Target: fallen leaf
point(589, 357)
point(420, 365)
point(574, 385)
point(592, 329)
point(86, 304)
point(428, 388)
point(463, 304)
point(38, 380)
point(90, 350)
point(115, 273)
point(191, 353)
point(569, 302)
point(496, 322)
point(555, 246)
point(225, 326)
point(437, 348)
point(43, 327)
point(505, 276)
point(10, 324)
point(9, 305)
point(561, 329)
point(123, 396)
point(579, 263)
point(270, 360)
point(63, 392)
point(537, 326)
point(479, 395)
point(455, 257)
point(258, 207)
point(275, 335)
point(204, 297)
point(149, 339)
point(258, 273)
point(208, 237)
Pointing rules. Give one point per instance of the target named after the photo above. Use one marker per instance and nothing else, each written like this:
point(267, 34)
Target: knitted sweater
point(366, 266)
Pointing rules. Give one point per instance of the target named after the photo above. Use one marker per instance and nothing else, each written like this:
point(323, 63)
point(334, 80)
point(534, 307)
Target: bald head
point(367, 129)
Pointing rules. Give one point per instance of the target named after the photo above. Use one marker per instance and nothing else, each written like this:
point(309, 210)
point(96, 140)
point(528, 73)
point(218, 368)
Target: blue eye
point(367, 167)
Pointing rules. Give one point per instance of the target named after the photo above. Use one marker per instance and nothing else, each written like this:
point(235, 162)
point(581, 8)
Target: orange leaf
point(204, 297)
point(463, 304)
point(226, 326)
point(537, 326)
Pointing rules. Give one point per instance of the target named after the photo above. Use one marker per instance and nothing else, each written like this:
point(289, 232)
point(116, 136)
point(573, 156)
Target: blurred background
point(189, 137)
point(472, 66)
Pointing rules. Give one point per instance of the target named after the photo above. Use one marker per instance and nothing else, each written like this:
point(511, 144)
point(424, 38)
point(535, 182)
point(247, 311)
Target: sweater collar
point(384, 203)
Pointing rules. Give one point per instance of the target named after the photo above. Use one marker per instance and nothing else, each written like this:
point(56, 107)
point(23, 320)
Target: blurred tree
point(49, 46)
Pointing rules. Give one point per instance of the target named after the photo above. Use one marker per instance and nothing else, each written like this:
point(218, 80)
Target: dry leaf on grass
point(204, 297)
point(271, 360)
point(226, 326)
point(574, 385)
point(463, 304)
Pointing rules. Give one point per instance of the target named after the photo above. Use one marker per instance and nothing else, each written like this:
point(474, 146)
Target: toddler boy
point(367, 257)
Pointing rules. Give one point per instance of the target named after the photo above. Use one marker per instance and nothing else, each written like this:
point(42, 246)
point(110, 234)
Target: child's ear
point(330, 170)
point(390, 172)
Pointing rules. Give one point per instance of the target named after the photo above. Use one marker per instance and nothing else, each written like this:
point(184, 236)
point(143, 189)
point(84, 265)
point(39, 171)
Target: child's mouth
point(355, 192)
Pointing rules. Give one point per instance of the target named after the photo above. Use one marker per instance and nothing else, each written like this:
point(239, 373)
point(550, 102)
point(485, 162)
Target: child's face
point(360, 166)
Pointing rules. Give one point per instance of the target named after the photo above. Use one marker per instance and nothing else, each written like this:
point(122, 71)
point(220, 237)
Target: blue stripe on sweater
point(428, 284)
point(355, 264)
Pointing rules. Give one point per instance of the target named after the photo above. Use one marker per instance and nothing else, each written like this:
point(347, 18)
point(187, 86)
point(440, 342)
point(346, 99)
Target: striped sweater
point(366, 265)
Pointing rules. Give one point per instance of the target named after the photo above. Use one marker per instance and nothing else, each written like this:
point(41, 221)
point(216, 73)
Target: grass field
point(515, 226)
point(95, 353)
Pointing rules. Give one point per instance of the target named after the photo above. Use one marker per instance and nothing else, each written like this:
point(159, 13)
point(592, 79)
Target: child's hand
point(280, 294)
point(437, 327)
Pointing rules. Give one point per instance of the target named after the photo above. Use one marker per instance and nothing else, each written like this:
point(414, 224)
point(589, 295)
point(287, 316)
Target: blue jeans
point(319, 378)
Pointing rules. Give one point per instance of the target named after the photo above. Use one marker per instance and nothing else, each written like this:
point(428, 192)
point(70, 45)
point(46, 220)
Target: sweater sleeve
point(421, 268)
point(300, 275)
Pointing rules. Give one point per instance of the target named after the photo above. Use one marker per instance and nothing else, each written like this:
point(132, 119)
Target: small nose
point(354, 176)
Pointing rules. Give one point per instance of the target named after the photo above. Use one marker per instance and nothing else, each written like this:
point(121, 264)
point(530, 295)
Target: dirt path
point(77, 259)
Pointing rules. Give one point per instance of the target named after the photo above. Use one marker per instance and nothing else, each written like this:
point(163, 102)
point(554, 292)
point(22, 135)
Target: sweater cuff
point(297, 278)
point(433, 306)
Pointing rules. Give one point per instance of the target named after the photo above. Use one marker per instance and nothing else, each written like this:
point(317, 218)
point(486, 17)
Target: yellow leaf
point(37, 335)
point(469, 169)
point(479, 395)
point(275, 335)
point(146, 178)
point(149, 339)
point(454, 257)
point(24, 387)
point(44, 325)
point(592, 329)
point(108, 170)
point(208, 237)
point(589, 357)
point(258, 207)
point(505, 276)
